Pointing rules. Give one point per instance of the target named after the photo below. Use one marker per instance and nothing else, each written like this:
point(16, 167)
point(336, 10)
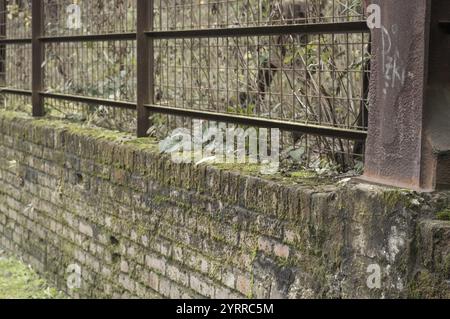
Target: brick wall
point(137, 224)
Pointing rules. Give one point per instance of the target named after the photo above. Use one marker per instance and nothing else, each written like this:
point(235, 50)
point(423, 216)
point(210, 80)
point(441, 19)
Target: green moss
point(243, 167)
point(145, 143)
point(159, 199)
point(253, 256)
point(395, 197)
point(76, 127)
point(444, 215)
point(446, 266)
point(304, 174)
point(17, 281)
point(304, 177)
point(426, 286)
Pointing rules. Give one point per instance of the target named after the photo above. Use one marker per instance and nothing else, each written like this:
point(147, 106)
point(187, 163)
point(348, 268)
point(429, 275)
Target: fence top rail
point(90, 37)
point(15, 41)
point(333, 28)
point(307, 128)
point(312, 28)
point(337, 132)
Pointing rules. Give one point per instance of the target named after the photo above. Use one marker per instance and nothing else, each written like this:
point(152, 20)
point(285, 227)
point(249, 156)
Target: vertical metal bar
point(145, 63)
point(38, 56)
point(3, 19)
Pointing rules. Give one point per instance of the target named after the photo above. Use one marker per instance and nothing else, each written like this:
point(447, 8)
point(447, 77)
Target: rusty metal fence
point(300, 66)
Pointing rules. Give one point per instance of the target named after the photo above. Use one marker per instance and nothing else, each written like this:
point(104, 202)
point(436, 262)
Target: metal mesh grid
point(325, 155)
point(15, 72)
point(97, 69)
point(16, 59)
point(93, 114)
point(15, 19)
point(308, 79)
point(312, 79)
point(86, 17)
point(182, 15)
point(103, 69)
point(16, 103)
point(320, 82)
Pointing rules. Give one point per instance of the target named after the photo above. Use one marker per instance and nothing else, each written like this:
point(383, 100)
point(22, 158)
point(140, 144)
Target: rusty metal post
point(145, 65)
point(3, 20)
point(437, 99)
point(38, 56)
point(408, 142)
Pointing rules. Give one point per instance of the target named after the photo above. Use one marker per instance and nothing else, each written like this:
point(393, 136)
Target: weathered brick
point(153, 281)
point(155, 263)
point(127, 282)
point(201, 286)
point(244, 285)
point(265, 244)
point(136, 222)
point(86, 229)
point(229, 280)
point(177, 275)
point(124, 267)
point(281, 251)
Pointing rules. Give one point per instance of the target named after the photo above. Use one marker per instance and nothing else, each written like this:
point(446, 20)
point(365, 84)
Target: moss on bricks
point(444, 215)
point(394, 198)
point(206, 219)
point(427, 286)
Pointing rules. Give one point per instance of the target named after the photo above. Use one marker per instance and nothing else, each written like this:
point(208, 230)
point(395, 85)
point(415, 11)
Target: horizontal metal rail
point(336, 28)
point(342, 27)
point(313, 28)
point(330, 131)
point(15, 41)
point(16, 91)
point(89, 100)
point(90, 37)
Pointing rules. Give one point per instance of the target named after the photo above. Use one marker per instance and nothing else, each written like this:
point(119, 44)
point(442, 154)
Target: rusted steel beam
point(312, 129)
point(408, 141)
point(38, 57)
point(145, 62)
point(16, 91)
point(16, 41)
point(313, 28)
point(3, 19)
point(90, 37)
point(321, 130)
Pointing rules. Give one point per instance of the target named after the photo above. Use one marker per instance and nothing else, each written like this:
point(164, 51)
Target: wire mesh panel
point(103, 69)
point(15, 57)
point(320, 82)
point(15, 21)
point(204, 14)
point(312, 78)
point(68, 17)
point(100, 68)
